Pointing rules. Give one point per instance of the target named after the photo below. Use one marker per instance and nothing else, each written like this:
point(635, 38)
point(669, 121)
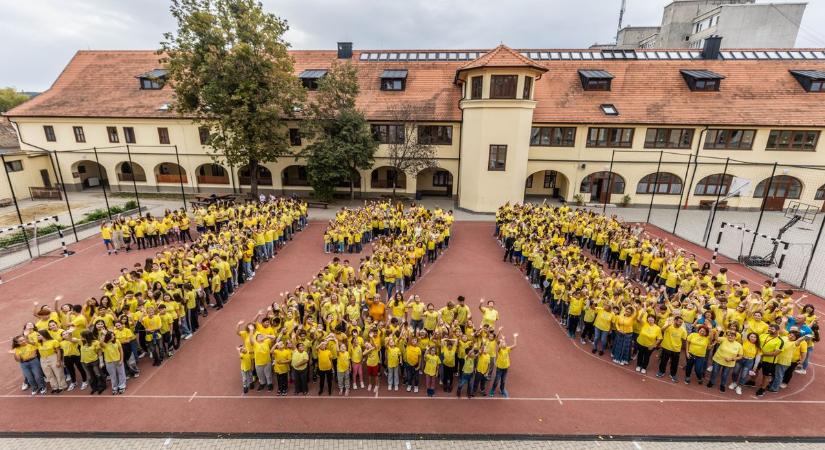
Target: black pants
point(789, 372)
point(301, 385)
point(72, 363)
point(184, 234)
point(96, 378)
point(325, 376)
point(572, 324)
point(643, 358)
point(672, 357)
point(193, 319)
point(447, 375)
point(588, 331)
point(283, 382)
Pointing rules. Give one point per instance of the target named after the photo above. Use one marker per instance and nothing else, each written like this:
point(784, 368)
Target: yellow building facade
point(570, 125)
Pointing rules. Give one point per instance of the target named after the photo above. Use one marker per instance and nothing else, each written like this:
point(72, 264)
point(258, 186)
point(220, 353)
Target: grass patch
point(17, 237)
point(100, 214)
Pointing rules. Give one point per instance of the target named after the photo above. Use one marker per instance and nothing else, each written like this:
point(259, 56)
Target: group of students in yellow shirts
point(145, 232)
point(152, 307)
point(620, 289)
point(339, 330)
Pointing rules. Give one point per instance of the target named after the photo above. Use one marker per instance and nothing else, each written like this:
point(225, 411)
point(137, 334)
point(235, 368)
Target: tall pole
point(16, 206)
point(681, 194)
point(180, 177)
point(609, 182)
point(102, 171)
point(762, 208)
point(134, 184)
point(621, 18)
point(232, 177)
point(655, 186)
point(716, 203)
point(813, 252)
point(59, 171)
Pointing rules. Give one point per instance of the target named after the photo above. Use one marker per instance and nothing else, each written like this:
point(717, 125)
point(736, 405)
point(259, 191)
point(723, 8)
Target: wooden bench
point(315, 204)
point(708, 204)
point(6, 202)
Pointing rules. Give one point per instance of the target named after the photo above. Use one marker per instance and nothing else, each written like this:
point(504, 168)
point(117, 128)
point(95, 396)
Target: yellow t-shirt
point(649, 334)
point(673, 337)
point(285, 355)
point(697, 344)
point(324, 359)
point(725, 350)
point(111, 352)
point(430, 364)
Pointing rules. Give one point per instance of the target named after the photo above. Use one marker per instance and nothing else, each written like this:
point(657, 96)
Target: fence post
point(66, 251)
point(718, 241)
point(59, 173)
point(134, 184)
point(180, 177)
point(762, 208)
point(716, 203)
point(655, 186)
point(681, 194)
point(609, 182)
point(103, 184)
point(16, 206)
point(813, 252)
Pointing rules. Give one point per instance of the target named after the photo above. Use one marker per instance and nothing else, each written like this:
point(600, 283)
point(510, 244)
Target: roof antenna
point(621, 16)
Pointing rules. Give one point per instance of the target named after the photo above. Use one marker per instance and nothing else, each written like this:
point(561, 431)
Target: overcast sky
point(40, 36)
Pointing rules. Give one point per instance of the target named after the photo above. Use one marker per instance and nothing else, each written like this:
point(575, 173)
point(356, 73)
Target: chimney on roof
point(344, 50)
point(712, 46)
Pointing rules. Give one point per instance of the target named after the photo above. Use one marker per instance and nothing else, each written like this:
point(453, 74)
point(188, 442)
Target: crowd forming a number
point(618, 289)
point(152, 307)
point(353, 327)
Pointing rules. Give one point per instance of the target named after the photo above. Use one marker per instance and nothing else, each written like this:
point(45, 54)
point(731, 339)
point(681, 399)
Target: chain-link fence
point(770, 204)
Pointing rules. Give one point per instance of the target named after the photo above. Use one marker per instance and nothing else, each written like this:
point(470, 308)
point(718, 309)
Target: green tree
point(341, 141)
point(406, 152)
point(9, 98)
point(230, 69)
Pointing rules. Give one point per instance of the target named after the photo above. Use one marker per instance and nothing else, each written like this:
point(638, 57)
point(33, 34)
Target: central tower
point(497, 115)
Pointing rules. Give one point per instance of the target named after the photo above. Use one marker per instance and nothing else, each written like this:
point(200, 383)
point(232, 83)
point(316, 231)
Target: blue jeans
point(724, 370)
point(600, 340)
point(417, 324)
point(390, 288)
point(743, 366)
point(807, 360)
point(499, 380)
point(778, 375)
point(247, 270)
point(33, 374)
point(697, 364)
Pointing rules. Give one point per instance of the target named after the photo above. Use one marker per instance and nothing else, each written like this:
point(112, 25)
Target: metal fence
point(692, 196)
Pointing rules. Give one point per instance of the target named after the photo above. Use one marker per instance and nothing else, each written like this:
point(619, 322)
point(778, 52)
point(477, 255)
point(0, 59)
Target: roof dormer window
point(153, 80)
point(811, 80)
point(702, 80)
point(394, 80)
point(595, 79)
point(309, 78)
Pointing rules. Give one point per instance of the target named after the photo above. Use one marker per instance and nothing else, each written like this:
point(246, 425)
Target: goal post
point(750, 260)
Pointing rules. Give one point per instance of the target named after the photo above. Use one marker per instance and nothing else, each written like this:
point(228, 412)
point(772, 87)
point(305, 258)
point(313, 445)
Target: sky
point(40, 36)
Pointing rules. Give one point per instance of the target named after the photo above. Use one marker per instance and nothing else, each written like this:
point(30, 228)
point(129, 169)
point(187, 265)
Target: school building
point(506, 123)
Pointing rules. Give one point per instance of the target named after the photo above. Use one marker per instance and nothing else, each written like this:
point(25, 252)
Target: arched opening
point(90, 174)
point(716, 184)
point(660, 183)
point(434, 181)
point(129, 172)
point(782, 187)
point(170, 173)
point(212, 174)
point(596, 184)
point(383, 177)
point(264, 176)
point(356, 184)
point(820, 195)
point(295, 176)
point(546, 184)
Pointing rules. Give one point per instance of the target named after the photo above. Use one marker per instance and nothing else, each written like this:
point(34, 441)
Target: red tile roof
point(503, 56)
point(754, 92)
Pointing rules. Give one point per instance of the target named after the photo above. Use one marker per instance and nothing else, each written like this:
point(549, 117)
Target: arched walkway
point(596, 184)
point(264, 176)
point(434, 181)
point(782, 187)
point(716, 184)
point(295, 176)
point(211, 173)
point(547, 183)
point(383, 177)
point(90, 174)
point(169, 172)
point(128, 172)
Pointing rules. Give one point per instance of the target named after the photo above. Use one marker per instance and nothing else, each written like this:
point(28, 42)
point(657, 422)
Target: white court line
point(193, 396)
point(443, 398)
point(559, 399)
point(61, 258)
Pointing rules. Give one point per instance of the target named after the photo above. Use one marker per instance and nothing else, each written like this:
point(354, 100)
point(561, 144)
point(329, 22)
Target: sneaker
point(409, 388)
point(136, 375)
point(492, 393)
point(246, 389)
point(376, 388)
point(505, 394)
point(415, 390)
point(582, 341)
point(638, 369)
point(801, 371)
point(738, 390)
point(42, 391)
point(760, 392)
point(369, 388)
point(34, 392)
point(83, 386)
point(601, 352)
point(722, 388)
point(188, 336)
point(660, 374)
point(732, 386)
point(70, 388)
point(396, 387)
point(709, 385)
point(24, 387)
point(362, 384)
point(644, 370)
point(674, 379)
point(354, 387)
point(346, 393)
point(593, 351)
point(687, 380)
point(783, 385)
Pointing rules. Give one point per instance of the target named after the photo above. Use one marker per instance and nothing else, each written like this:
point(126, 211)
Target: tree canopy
point(9, 98)
point(229, 66)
